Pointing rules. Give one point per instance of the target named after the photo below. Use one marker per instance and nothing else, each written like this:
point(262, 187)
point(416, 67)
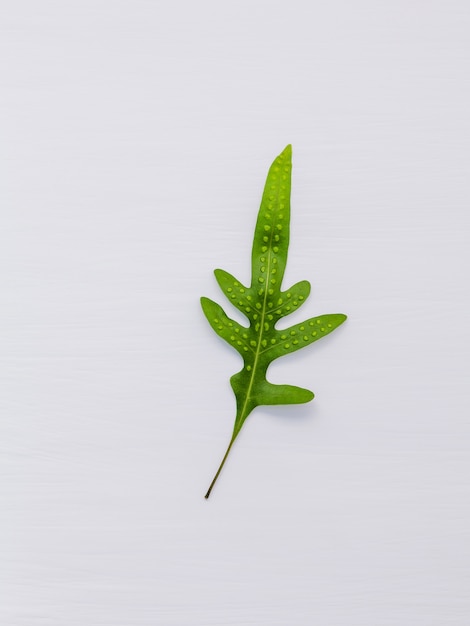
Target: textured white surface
point(136, 136)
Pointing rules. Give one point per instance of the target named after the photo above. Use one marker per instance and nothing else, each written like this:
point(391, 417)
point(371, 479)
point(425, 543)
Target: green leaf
point(264, 304)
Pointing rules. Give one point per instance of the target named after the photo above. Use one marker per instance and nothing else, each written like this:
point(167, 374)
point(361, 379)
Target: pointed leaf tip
point(287, 152)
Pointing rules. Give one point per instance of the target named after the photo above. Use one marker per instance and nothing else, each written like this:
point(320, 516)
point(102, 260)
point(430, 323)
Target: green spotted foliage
point(264, 303)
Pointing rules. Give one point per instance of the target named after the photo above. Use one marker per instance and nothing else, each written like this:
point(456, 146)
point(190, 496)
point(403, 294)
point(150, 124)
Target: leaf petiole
point(220, 466)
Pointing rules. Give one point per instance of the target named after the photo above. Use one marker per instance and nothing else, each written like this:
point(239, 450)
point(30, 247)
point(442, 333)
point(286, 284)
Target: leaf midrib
point(265, 296)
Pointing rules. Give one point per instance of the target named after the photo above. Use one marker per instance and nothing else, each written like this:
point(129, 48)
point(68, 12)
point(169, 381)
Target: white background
point(135, 139)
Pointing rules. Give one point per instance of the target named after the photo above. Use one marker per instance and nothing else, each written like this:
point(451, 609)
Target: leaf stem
point(220, 467)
